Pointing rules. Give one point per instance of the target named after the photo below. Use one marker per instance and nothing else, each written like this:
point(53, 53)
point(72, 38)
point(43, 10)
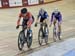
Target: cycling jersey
point(43, 16)
point(57, 16)
point(27, 20)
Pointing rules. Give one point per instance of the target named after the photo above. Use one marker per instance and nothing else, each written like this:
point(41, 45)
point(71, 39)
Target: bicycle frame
point(42, 25)
point(26, 38)
point(24, 29)
point(55, 33)
point(43, 36)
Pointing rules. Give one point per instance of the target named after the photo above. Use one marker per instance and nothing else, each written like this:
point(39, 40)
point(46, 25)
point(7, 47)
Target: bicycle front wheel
point(21, 40)
point(46, 35)
point(40, 37)
point(29, 40)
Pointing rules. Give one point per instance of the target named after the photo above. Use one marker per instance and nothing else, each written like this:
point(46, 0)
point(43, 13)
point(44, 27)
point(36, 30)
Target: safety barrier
point(23, 3)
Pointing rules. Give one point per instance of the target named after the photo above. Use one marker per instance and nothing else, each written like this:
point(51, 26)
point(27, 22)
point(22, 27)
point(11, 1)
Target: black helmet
point(24, 10)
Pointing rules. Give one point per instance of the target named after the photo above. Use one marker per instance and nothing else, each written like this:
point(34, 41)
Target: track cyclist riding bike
point(56, 18)
point(42, 16)
point(25, 36)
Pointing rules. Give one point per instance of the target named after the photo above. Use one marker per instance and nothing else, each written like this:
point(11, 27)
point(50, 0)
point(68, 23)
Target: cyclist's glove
point(17, 26)
point(35, 24)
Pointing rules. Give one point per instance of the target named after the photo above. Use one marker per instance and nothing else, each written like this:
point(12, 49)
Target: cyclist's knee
point(54, 23)
point(59, 26)
point(45, 25)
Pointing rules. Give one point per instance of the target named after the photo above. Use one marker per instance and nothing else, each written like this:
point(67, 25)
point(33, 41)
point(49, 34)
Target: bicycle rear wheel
point(21, 40)
point(46, 35)
point(40, 37)
point(54, 34)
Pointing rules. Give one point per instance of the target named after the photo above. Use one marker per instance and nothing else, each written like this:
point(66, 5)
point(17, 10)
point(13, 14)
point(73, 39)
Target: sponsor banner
point(0, 4)
point(32, 2)
point(41, 1)
point(15, 3)
point(25, 2)
point(5, 3)
point(48, 0)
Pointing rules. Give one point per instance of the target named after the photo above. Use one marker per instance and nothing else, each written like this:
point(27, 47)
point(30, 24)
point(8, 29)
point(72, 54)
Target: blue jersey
point(57, 16)
point(43, 16)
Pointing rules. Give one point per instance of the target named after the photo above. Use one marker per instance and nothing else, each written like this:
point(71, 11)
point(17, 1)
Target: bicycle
point(43, 33)
point(24, 38)
point(55, 34)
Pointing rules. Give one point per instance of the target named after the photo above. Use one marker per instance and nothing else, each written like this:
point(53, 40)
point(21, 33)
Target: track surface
point(8, 32)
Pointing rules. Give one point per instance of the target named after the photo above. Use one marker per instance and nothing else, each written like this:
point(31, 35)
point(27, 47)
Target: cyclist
point(56, 17)
point(27, 19)
point(43, 16)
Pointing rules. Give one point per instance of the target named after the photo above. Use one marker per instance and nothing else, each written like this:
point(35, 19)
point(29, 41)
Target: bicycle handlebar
point(24, 26)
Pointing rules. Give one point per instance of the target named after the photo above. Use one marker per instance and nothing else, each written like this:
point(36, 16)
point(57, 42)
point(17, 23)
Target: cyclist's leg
point(45, 21)
point(54, 30)
point(29, 31)
point(24, 24)
point(59, 26)
point(46, 26)
point(41, 25)
point(54, 23)
point(59, 30)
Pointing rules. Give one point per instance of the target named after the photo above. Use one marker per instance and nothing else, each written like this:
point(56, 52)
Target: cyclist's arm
point(38, 18)
point(60, 17)
point(30, 21)
point(52, 16)
point(18, 22)
point(47, 17)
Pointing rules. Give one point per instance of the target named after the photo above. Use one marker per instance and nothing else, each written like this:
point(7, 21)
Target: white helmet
point(56, 10)
point(41, 11)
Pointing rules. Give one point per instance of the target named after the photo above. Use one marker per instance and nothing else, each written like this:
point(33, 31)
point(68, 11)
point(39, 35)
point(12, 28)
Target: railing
point(23, 3)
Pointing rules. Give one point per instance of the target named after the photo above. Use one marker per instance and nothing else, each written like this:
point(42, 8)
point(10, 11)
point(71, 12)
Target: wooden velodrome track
point(8, 32)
